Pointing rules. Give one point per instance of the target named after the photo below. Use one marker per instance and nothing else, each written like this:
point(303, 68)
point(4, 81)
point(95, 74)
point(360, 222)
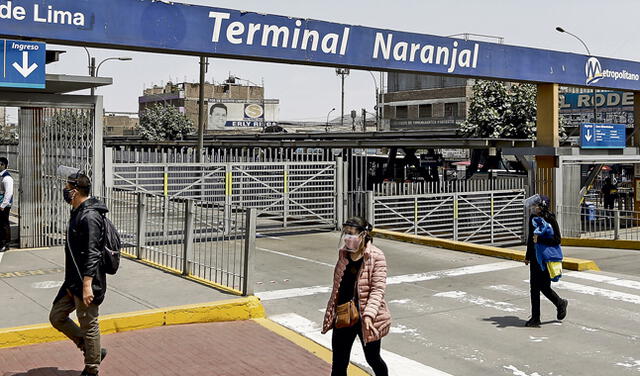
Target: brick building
point(244, 106)
point(121, 124)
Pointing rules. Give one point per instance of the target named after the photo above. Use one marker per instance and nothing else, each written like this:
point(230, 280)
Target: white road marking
point(398, 365)
point(606, 279)
point(478, 300)
point(596, 291)
point(408, 278)
point(295, 257)
point(511, 290)
point(47, 284)
point(517, 372)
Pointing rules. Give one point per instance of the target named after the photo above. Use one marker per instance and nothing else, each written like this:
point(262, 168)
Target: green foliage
point(499, 111)
point(8, 135)
point(160, 123)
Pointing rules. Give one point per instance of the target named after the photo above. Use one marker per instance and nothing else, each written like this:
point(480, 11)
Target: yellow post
point(547, 134)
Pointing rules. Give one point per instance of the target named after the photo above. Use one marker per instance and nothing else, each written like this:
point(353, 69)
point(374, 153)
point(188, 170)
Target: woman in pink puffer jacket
point(361, 269)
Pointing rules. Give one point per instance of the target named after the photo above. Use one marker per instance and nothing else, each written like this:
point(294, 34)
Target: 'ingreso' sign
point(197, 30)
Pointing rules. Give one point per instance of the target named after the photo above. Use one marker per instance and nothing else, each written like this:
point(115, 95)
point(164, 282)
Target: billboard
point(612, 107)
point(225, 114)
point(163, 26)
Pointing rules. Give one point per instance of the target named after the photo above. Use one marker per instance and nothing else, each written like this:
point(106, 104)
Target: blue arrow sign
point(602, 136)
point(23, 64)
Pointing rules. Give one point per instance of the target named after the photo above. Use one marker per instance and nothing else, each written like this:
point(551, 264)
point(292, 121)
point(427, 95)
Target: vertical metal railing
point(591, 222)
point(205, 241)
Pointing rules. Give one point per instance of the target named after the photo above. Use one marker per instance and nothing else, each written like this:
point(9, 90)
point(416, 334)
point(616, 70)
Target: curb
point(486, 250)
point(225, 310)
point(307, 344)
point(602, 243)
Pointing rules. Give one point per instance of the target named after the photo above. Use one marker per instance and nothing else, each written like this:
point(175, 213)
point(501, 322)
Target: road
point(459, 314)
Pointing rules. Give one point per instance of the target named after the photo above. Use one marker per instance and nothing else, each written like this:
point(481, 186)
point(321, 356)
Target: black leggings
point(341, 343)
point(5, 227)
point(541, 282)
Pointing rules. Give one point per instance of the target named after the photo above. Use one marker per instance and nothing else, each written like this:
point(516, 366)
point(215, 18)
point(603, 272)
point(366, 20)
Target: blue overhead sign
point(602, 136)
point(23, 64)
point(197, 30)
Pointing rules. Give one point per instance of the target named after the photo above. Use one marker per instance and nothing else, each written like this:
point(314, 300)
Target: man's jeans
point(5, 227)
point(87, 336)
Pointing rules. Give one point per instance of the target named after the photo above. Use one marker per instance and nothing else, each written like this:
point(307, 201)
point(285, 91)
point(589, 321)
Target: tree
point(159, 123)
point(498, 111)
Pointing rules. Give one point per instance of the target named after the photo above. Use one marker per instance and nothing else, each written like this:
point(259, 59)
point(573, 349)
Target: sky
point(307, 93)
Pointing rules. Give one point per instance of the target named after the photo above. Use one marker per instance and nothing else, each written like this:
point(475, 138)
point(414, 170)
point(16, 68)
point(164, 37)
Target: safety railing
point(416, 188)
point(595, 223)
point(201, 240)
point(492, 217)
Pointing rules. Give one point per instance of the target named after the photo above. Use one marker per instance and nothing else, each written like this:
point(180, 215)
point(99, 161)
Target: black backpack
point(111, 247)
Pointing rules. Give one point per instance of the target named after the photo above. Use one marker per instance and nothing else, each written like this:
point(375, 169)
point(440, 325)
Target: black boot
point(562, 309)
point(532, 323)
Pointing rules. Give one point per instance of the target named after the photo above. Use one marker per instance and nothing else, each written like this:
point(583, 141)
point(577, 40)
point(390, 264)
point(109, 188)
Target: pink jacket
point(371, 286)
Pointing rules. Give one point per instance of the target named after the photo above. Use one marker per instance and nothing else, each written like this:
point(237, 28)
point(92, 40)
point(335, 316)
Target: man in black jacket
point(85, 282)
point(540, 280)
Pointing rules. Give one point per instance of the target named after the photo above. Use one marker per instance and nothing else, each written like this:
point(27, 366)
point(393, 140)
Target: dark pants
point(341, 343)
point(87, 335)
point(541, 283)
point(5, 227)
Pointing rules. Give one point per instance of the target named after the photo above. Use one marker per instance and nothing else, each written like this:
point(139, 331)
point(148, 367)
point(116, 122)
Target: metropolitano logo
point(593, 70)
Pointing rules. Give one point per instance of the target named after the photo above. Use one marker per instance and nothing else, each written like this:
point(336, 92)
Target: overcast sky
point(610, 28)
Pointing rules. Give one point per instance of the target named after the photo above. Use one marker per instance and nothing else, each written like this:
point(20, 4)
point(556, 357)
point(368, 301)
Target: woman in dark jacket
point(540, 280)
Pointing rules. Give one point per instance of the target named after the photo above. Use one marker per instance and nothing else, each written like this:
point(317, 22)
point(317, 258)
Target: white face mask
point(352, 242)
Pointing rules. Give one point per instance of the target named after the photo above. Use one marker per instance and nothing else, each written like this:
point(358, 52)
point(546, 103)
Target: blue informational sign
point(160, 26)
point(23, 64)
point(602, 136)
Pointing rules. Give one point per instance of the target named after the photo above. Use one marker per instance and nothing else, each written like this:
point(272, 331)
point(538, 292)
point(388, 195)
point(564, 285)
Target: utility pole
point(342, 72)
point(364, 120)
point(92, 73)
point(202, 113)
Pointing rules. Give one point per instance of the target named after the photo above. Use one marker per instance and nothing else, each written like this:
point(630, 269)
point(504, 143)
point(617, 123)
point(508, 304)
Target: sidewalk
point(220, 349)
point(29, 280)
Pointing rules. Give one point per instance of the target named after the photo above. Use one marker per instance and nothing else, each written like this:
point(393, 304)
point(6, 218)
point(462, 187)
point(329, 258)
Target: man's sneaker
point(4, 248)
point(103, 353)
point(562, 309)
point(86, 373)
point(532, 323)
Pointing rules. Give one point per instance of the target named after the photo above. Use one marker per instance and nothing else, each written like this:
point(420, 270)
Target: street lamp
point(111, 58)
point(342, 72)
point(326, 128)
point(561, 30)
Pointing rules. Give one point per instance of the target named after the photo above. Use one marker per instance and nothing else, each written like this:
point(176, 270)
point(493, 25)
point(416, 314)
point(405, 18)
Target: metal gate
point(54, 130)
point(287, 195)
point(492, 217)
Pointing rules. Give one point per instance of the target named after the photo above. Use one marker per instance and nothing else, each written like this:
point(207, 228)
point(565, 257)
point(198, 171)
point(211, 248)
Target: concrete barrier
point(601, 243)
point(486, 250)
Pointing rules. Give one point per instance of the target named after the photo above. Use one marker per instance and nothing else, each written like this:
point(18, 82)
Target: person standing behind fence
point(85, 281)
point(609, 193)
point(539, 279)
point(356, 306)
point(6, 201)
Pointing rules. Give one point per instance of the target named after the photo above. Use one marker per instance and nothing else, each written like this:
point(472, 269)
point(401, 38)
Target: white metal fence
point(490, 217)
point(594, 223)
point(286, 195)
point(417, 188)
point(201, 240)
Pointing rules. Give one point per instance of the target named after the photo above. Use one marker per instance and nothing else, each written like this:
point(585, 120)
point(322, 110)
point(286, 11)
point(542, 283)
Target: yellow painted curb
point(486, 250)
point(225, 310)
point(601, 243)
point(307, 344)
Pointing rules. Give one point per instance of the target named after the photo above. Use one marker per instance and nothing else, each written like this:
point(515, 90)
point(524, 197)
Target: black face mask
point(67, 195)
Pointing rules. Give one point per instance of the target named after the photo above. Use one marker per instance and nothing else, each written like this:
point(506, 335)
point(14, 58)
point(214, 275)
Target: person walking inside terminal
point(85, 281)
point(6, 200)
point(540, 278)
point(356, 306)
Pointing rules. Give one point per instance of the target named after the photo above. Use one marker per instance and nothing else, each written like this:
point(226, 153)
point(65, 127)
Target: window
point(402, 112)
point(425, 111)
point(450, 110)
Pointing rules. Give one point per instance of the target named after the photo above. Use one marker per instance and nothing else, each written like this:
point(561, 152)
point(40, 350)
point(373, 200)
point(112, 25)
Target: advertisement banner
point(159, 26)
point(225, 114)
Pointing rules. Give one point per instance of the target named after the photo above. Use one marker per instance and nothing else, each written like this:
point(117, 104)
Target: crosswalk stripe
point(606, 279)
point(408, 278)
point(398, 365)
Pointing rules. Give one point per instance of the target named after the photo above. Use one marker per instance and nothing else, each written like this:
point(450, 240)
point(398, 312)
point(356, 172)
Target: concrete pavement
point(462, 314)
